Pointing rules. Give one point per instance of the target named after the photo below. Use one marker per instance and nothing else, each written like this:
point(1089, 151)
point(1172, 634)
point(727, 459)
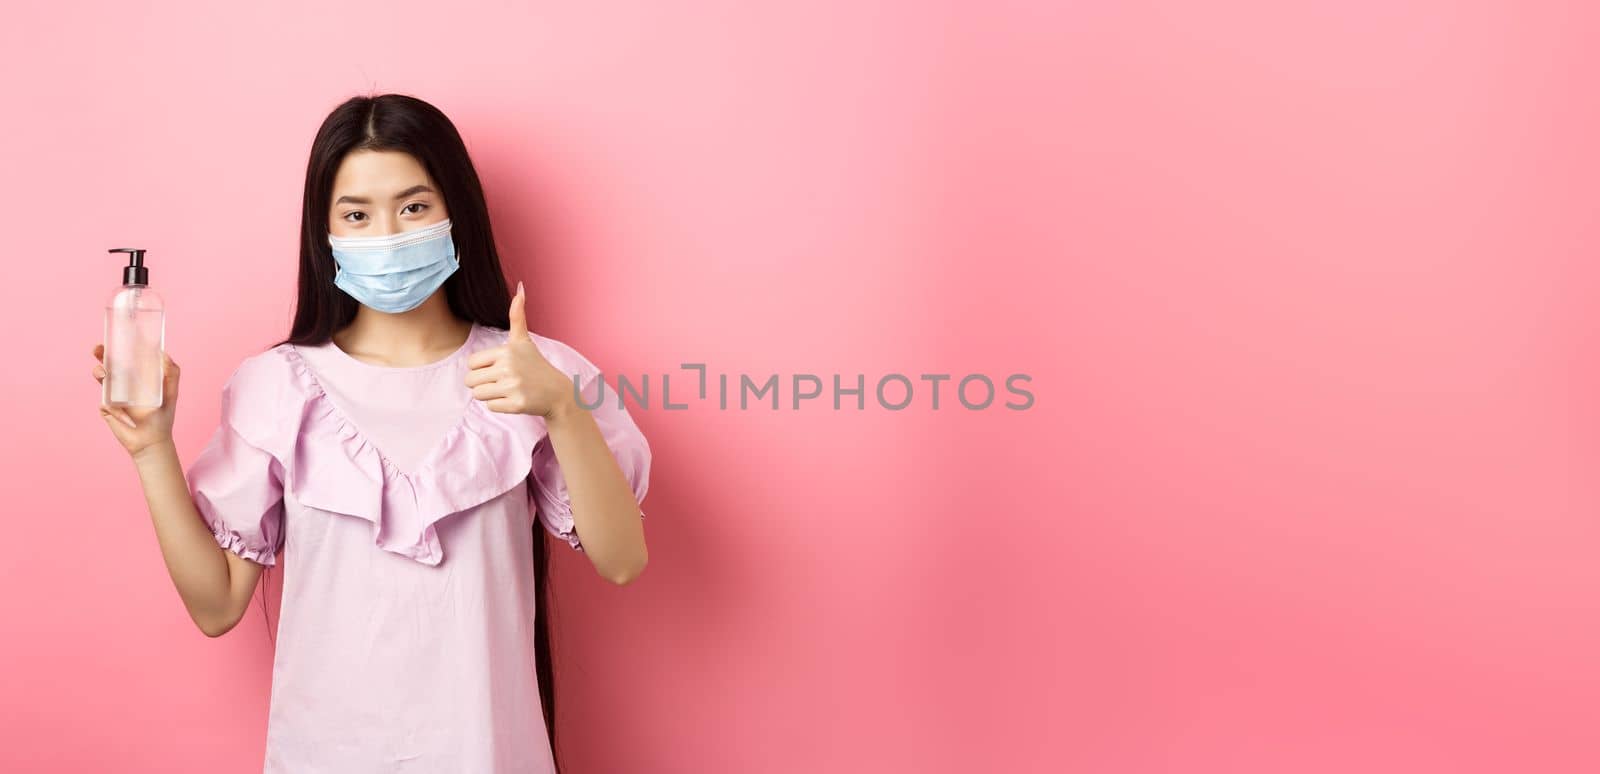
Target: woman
point(404, 451)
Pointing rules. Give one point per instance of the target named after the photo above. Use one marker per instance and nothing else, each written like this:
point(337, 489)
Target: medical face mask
point(395, 273)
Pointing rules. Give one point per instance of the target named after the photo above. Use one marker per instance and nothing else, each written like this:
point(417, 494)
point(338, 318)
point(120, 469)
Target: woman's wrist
point(155, 452)
point(563, 410)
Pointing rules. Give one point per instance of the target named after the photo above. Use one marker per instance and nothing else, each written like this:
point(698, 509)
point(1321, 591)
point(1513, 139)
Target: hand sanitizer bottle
point(135, 336)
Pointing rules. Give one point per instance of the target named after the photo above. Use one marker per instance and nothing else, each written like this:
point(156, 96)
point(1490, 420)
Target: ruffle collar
point(331, 466)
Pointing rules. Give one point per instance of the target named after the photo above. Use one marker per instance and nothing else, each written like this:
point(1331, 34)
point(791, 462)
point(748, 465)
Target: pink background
point(1306, 296)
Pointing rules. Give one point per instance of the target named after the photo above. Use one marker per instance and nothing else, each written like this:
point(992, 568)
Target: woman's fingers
point(488, 390)
point(488, 356)
point(99, 373)
point(483, 375)
point(118, 415)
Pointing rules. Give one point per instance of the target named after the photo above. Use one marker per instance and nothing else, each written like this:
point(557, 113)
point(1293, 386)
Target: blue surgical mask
point(397, 272)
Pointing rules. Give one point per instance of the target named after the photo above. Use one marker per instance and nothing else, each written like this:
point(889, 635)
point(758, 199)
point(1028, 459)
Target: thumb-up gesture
point(514, 378)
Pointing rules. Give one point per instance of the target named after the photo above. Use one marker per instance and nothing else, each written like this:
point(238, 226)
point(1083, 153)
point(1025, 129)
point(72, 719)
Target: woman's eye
point(415, 204)
point(356, 212)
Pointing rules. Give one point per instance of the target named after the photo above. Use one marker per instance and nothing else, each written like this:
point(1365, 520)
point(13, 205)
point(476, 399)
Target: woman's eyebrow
point(416, 189)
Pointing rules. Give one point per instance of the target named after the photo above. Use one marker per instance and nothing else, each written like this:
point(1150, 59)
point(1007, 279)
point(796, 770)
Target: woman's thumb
point(169, 375)
point(519, 318)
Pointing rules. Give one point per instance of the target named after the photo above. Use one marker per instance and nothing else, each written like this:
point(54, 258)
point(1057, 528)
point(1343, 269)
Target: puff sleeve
point(621, 434)
point(238, 487)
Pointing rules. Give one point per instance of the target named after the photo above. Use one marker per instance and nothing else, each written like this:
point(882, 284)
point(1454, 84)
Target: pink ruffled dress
point(402, 510)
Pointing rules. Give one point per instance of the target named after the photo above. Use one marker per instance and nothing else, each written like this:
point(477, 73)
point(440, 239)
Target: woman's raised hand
point(515, 378)
point(139, 429)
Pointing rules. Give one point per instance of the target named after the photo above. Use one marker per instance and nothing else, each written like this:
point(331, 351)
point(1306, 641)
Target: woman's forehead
point(379, 172)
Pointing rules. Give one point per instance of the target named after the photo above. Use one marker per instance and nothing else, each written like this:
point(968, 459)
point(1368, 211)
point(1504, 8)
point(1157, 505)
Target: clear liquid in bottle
point(135, 337)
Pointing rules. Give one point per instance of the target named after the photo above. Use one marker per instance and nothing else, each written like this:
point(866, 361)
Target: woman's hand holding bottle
point(215, 585)
point(140, 429)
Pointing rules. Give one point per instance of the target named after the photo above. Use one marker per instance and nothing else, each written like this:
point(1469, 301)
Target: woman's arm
point(604, 510)
point(515, 377)
point(215, 585)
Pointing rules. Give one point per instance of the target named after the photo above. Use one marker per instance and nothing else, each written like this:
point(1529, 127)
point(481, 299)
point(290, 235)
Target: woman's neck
point(416, 337)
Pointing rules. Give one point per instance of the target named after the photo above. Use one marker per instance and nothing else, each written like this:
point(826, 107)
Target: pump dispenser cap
point(135, 273)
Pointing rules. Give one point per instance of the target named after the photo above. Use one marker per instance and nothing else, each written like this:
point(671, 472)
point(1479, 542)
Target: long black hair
point(477, 291)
